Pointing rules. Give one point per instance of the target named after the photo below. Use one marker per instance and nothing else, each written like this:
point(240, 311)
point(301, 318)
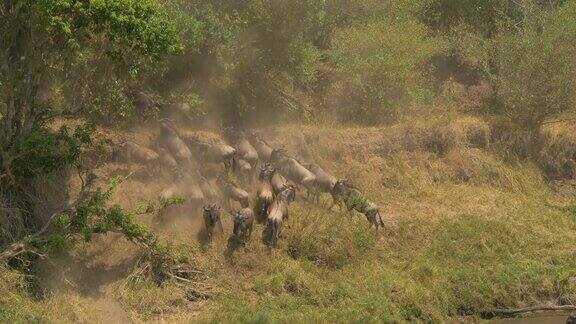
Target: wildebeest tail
point(380, 218)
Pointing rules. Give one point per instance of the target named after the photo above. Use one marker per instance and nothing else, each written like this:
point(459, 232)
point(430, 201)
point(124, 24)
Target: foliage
point(534, 75)
point(44, 151)
point(54, 50)
point(381, 62)
point(480, 15)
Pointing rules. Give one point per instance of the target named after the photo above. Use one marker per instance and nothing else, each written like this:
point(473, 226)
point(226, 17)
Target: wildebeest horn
point(165, 120)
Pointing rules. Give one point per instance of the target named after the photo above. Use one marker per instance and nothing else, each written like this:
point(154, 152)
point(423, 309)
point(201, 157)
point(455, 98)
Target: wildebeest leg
point(380, 219)
point(227, 202)
point(220, 227)
point(334, 200)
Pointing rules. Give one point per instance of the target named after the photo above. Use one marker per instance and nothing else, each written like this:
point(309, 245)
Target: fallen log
point(506, 312)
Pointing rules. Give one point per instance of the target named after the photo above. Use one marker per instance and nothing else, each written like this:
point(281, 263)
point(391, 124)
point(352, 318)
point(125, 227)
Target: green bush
point(534, 72)
point(482, 16)
point(381, 63)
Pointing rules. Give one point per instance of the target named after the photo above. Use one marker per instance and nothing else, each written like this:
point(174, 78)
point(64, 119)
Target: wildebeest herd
point(208, 174)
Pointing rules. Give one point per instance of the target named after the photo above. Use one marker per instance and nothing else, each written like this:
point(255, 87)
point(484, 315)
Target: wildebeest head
point(266, 172)
point(288, 194)
point(212, 214)
point(277, 155)
point(252, 136)
point(167, 127)
point(342, 187)
point(239, 220)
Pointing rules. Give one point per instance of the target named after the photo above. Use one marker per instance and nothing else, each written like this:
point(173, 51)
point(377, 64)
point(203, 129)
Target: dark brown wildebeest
point(264, 150)
point(278, 212)
point(264, 195)
point(231, 191)
point(243, 223)
point(135, 153)
point(212, 219)
point(344, 193)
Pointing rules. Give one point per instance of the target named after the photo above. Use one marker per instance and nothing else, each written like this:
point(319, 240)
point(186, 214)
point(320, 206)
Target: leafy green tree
point(40, 41)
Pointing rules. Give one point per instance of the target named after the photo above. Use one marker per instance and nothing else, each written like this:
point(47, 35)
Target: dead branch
point(515, 311)
point(23, 246)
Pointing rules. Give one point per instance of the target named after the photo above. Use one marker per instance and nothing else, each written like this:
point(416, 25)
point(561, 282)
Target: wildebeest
point(246, 151)
point(170, 139)
point(294, 170)
point(278, 212)
point(264, 150)
point(231, 191)
point(191, 187)
point(243, 223)
point(212, 219)
point(169, 193)
point(132, 152)
point(324, 180)
point(167, 161)
point(265, 194)
point(571, 319)
point(241, 167)
point(144, 102)
point(212, 152)
point(345, 193)
point(210, 193)
point(277, 181)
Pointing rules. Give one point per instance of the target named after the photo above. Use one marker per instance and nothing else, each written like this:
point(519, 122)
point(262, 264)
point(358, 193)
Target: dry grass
point(465, 230)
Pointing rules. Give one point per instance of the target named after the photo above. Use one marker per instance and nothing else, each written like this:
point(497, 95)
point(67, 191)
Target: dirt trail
point(91, 270)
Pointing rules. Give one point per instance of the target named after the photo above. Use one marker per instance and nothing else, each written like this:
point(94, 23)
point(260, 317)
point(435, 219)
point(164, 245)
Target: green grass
point(17, 305)
point(452, 247)
point(429, 271)
point(464, 231)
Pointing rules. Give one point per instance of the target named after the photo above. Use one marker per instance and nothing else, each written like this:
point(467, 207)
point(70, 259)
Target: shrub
point(481, 15)
point(557, 157)
point(381, 64)
point(535, 74)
